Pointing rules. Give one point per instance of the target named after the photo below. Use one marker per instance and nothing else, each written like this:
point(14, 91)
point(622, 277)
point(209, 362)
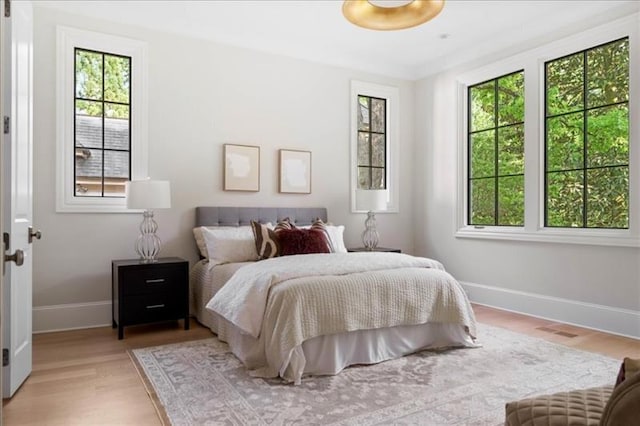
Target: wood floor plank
point(85, 377)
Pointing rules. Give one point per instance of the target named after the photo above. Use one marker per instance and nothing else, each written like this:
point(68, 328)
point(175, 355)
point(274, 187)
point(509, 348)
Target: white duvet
point(243, 299)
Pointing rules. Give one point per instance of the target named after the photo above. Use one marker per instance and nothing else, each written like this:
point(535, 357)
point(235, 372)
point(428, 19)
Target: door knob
point(37, 235)
point(17, 257)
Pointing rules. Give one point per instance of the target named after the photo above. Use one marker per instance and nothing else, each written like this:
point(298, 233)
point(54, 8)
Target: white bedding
point(325, 354)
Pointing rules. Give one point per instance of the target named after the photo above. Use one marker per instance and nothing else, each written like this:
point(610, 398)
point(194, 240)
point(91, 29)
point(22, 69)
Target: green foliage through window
point(587, 138)
point(496, 151)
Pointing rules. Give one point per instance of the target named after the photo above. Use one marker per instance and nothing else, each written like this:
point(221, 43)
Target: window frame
point(496, 129)
point(533, 62)
point(392, 96)
point(584, 110)
point(68, 39)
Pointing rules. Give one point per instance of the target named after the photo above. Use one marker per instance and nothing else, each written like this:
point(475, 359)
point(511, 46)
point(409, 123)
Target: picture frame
point(241, 168)
point(295, 172)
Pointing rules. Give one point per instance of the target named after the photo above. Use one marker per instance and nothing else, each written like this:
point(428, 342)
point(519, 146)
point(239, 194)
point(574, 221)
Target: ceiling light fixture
point(388, 15)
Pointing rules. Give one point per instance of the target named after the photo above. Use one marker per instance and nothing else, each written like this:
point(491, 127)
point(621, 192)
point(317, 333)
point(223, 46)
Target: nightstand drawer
point(156, 280)
point(152, 308)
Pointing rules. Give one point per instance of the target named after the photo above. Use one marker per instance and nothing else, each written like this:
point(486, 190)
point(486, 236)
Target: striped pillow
point(266, 240)
point(319, 225)
point(284, 224)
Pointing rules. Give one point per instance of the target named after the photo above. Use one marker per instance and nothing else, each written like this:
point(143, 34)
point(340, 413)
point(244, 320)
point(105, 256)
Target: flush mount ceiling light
point(390, 14)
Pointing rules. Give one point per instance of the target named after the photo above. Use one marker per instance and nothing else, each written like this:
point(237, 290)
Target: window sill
point(594, 237)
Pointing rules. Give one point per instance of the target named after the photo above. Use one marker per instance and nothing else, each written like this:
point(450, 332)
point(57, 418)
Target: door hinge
point(7, 8)
point(5, 357)
point(6, 124)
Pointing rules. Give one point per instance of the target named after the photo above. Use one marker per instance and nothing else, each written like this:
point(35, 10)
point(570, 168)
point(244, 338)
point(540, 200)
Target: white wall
point(588, 285)
point(201, 95)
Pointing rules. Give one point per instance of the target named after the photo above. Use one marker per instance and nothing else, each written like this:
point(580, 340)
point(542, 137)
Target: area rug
point(201, 382)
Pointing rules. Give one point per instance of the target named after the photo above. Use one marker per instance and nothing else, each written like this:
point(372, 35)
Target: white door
point(17, 187)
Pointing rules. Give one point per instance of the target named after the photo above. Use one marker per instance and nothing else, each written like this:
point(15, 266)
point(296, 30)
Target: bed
point(316, 314)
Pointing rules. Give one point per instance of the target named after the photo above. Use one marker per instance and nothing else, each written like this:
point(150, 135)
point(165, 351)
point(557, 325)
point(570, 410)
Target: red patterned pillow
point(302, 241)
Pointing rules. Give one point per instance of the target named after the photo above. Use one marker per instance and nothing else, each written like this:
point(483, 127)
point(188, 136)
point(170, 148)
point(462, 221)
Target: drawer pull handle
point(158, 280)
point(155, 306)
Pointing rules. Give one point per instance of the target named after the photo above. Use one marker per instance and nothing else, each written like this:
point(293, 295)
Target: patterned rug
point(201, 382)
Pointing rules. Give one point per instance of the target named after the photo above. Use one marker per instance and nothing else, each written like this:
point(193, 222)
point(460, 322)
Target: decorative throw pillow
point(229, 244)
point(320, 226)
point(265, 240)
point(302, 241)
point(284, 224)
point(629, 368)
point(335, 235)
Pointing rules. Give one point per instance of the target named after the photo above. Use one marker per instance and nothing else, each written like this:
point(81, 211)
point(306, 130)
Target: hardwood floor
point(86, 376)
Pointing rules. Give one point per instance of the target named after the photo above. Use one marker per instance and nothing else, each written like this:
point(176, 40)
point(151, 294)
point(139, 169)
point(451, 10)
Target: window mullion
point(584, 140)
point(495, 152)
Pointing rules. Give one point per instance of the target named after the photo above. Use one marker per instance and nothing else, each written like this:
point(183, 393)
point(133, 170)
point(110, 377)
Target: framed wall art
point(295, 172)
point(241, 168)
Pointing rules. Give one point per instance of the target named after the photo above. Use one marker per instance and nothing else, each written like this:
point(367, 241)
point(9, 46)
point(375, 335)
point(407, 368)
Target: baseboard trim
point(72, 316)
point(623, 322)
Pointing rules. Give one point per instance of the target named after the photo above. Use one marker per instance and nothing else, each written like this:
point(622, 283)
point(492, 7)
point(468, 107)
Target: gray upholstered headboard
point(242, 216)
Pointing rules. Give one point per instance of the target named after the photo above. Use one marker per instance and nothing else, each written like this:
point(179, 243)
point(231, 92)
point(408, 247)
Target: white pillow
point(229, 244)
point(336, 233)
point(198, 233)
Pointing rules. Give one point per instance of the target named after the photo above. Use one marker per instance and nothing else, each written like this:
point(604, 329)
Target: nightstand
point(381, 249)
point(149, 292)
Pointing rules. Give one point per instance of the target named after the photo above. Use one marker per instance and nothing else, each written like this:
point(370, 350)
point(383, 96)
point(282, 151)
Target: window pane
point(88, 126)
point(511, 99)
point(363, 112)
point(565, 84)
point(378, 151)
point(511, 200)
point(88, 75)
point(482, 201)
point(88, 172)
point(378, 115)
point(483, 153)
point(565, 142)
point(608, 197)
point(116, 110)
point(364, 178)
point(89, 108)
point(116, 79)
point(564, 199)
point(608, 73)
point(377, 179)
point(363, 149)
point(608, 136)
point(511, 150)
point(116, 164)
point(116, 134)
point(482, 106)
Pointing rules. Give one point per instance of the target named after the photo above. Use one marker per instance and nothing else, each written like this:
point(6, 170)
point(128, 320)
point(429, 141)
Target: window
point(496, 151)
point(375, 116)
point(101, 118)
point(102, 124)
point(587, 138)
point(557, 159)
point(372, 143)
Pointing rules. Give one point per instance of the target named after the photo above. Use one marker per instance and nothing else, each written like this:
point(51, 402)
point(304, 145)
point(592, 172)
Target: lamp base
point(148, 243)
point(370, 235)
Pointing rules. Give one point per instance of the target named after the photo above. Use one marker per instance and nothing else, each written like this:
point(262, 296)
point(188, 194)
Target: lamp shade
point(371, 200)
point(148, 194)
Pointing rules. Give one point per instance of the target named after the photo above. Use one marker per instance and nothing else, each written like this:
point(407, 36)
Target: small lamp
point(148, 195)
point(371, 200)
